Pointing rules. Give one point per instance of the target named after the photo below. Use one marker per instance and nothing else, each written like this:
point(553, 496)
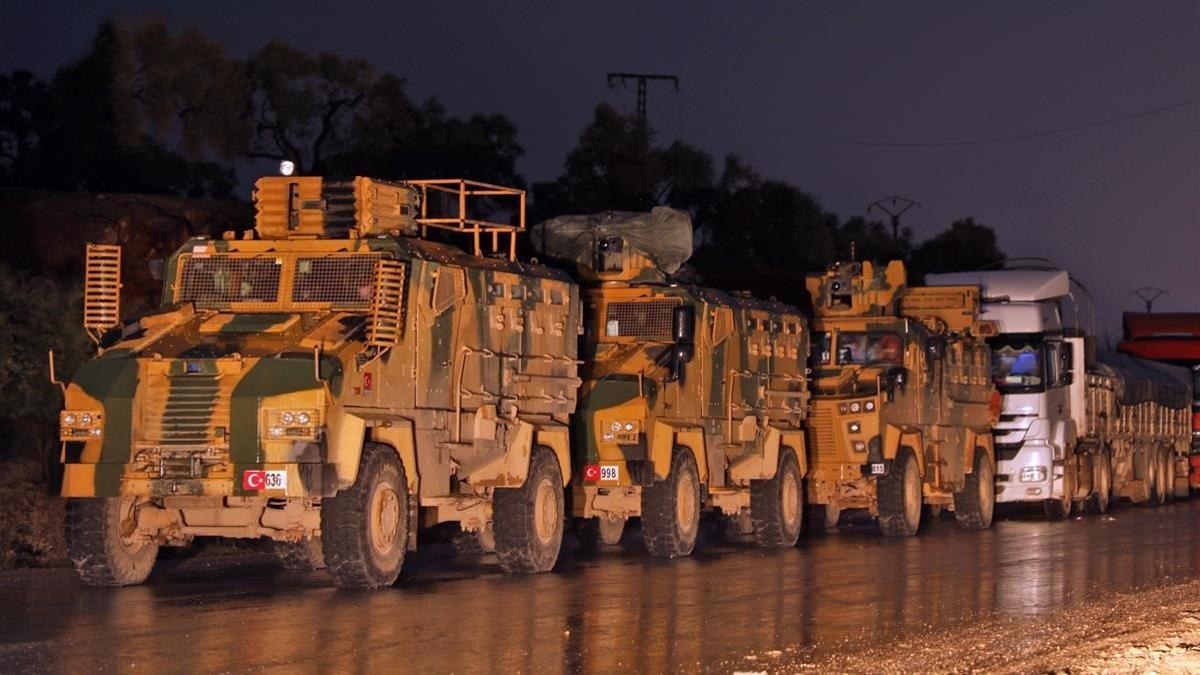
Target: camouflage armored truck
point(903, 401)
point(692, 398)
point(334, 379)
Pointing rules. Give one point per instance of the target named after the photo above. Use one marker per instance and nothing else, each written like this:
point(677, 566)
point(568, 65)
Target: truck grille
point(185, 410)
point(645, 320)
point(821, 436)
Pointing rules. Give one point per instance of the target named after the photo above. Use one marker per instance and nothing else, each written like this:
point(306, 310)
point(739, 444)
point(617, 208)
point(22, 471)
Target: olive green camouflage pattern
point(900, 376)
point(251, 394)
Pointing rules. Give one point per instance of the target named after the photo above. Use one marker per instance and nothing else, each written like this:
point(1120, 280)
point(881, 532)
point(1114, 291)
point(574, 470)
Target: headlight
point(855, 407)
point(1033, 474)
point(292, 424)
point(842, 408)
point(855, 427)
point(860, 446)
point(869, 406)
point(75, 425)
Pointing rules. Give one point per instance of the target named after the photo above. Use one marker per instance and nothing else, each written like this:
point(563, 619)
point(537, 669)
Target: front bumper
point(117, 480)
point(1009, 486)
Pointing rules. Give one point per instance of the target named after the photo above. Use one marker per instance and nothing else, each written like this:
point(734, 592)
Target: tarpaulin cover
point(1144, 380)
point(664, 235)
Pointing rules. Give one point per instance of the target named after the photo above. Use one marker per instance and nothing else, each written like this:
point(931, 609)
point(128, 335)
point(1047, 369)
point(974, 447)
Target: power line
point(835, 140)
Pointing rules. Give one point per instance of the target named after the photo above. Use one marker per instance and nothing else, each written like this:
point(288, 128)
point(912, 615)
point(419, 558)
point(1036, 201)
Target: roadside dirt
point(1143, 631)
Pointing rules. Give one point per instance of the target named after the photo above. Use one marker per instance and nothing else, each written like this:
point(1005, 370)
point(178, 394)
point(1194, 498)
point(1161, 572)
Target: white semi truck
point(1073, 432)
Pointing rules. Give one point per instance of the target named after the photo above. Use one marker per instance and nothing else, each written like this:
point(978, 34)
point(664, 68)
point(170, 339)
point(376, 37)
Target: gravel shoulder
point(1155, 630)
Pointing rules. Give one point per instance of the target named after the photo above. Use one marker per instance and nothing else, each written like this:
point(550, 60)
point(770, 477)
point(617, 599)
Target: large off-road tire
point(528, 521)
point(101, 542)
point(899, 494)
point(777, 505)
point(364, 528)
point(1101, 498)
point(299, 556)
point(976, 502)
point(671, 509)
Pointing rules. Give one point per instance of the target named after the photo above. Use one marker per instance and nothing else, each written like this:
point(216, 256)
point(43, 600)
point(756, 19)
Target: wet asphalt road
point(618, 611)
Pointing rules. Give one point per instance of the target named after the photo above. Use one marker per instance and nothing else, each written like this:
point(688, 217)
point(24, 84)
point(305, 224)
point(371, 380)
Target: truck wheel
point(101, 542)
point(364, 528)
point(899, 495)
point(1060, 509)
point(974, 505)
point(299, 556)
point(671, 509)
point(777, 505)
point(528, 521)
point(1166, 478)
point(597, 533)
point(1101, 497)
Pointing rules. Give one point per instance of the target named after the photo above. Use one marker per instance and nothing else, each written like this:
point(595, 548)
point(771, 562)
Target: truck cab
point(1049, 450)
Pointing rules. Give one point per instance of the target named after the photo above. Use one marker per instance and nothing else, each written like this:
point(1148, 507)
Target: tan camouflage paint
point(943, 413)
point(188, 396)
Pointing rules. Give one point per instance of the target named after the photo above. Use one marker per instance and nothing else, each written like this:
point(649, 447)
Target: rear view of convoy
point(337, 381)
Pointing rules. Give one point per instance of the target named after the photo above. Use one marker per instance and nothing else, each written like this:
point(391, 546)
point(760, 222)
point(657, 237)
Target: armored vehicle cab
point(902, 399)
point(334, 379)
point(692, 398)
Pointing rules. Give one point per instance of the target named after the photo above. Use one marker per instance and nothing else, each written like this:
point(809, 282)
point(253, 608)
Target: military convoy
point(339, 378)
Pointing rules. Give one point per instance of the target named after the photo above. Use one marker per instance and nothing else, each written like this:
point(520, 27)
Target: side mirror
point(679, 354)
point(895, 378)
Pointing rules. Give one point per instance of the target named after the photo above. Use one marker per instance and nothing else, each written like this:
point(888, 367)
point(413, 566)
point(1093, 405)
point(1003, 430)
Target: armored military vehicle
point(692, 398)
point(334, 378)
point(903, 401)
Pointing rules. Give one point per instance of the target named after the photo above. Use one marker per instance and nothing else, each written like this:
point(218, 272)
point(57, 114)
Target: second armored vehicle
point(692, 398)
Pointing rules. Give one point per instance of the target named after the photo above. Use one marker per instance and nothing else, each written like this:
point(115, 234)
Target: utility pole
point(1148, 294)
point(894, 206)
point(641, 79)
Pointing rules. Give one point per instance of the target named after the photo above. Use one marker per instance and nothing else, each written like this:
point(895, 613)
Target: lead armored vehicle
point(692, 398)
point(333, 381)
point(903, 402)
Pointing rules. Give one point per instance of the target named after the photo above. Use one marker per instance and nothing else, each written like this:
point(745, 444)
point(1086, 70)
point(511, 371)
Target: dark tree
point(965, 245)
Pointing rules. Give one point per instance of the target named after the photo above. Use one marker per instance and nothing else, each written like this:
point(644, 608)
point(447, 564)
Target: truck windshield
point(857, 348)
point(1018, 366)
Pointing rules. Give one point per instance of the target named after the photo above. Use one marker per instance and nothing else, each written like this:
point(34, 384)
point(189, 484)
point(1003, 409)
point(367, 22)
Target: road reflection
point(617, 612)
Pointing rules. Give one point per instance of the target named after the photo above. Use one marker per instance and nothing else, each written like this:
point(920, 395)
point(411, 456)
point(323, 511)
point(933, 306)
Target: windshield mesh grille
point(342, 281)
point(646, 320)
point(219, 281)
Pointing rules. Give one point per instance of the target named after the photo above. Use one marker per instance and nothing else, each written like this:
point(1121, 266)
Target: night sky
point(899, 85)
